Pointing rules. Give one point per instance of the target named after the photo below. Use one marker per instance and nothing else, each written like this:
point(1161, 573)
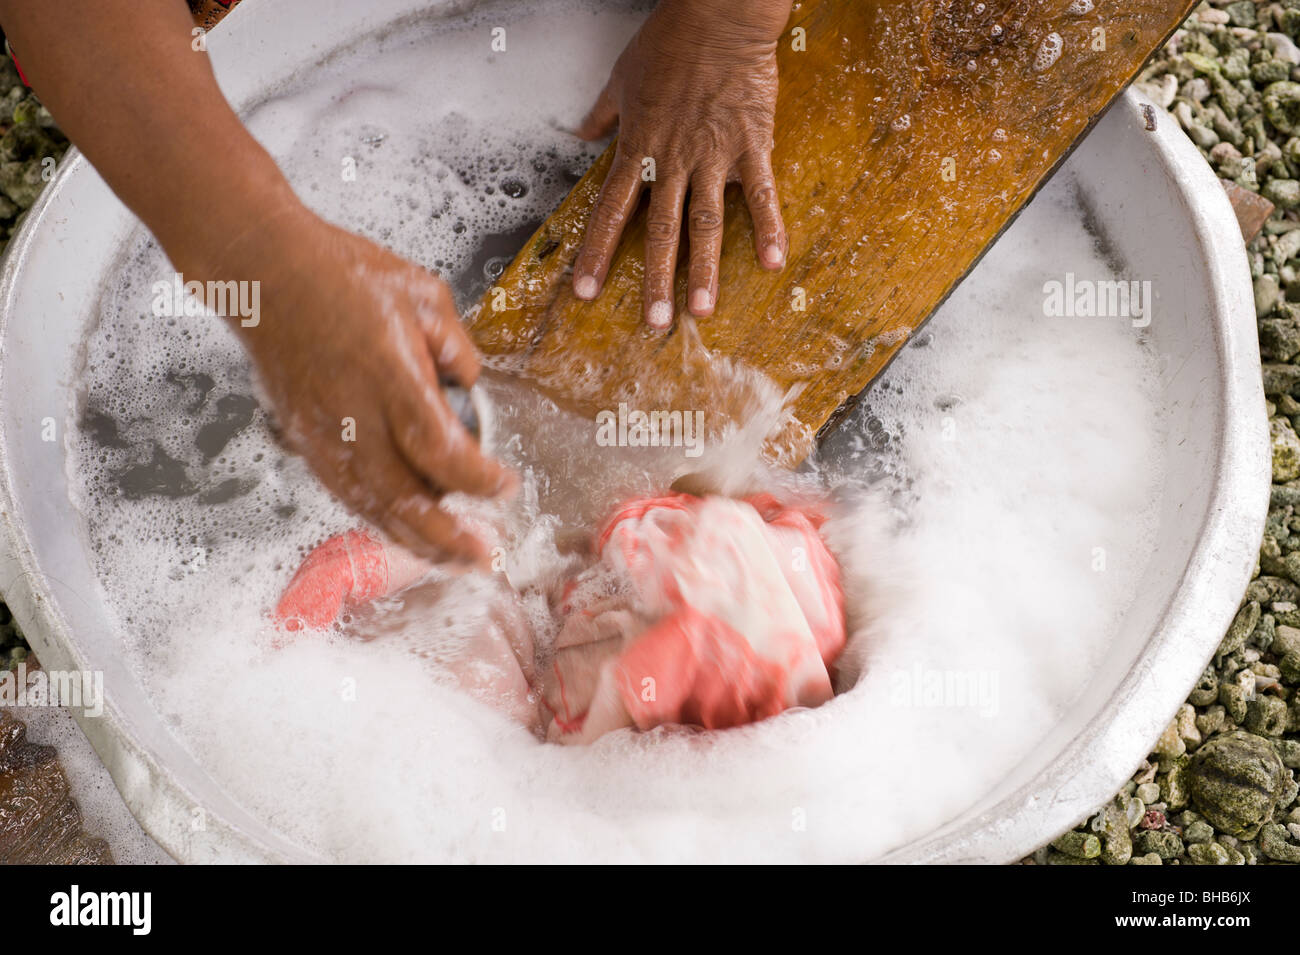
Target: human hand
point(351, 346)
point(694, 92)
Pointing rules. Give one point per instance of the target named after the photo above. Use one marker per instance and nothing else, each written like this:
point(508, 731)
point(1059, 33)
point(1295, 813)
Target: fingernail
point(585, 287)
point(701, 300)
point(661, 315)
point(773, 256)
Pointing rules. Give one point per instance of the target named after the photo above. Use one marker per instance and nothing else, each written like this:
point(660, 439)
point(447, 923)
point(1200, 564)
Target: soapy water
point(973, 488)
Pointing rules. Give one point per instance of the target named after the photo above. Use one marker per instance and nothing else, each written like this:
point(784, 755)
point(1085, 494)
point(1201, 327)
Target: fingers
point(433, 442)
point(705, 231)
point(598, 123)
point(662, 237)
point(381, 487)
point(413, 518)
point(450, 346)
point(770, 243)
point(618, 198)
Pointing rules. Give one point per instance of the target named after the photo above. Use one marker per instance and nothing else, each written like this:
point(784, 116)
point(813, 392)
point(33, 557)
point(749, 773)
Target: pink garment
point(730, 612)
point(706, 611)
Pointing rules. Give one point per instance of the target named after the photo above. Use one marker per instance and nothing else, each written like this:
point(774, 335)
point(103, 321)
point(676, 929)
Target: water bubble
point(1049, 51)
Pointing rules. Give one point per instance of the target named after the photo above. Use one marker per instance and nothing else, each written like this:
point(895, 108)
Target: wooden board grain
point(40, 823)
point(908, 135)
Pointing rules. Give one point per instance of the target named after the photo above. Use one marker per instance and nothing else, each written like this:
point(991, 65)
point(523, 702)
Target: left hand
point(695, 91)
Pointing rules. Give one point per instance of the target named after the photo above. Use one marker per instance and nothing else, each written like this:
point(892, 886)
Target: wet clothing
point(705, 611)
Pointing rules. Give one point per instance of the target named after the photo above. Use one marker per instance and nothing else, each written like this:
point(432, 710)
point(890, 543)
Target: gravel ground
point(1219, 787)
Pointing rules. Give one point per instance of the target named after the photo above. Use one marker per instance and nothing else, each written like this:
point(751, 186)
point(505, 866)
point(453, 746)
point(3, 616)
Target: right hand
point(351, 331)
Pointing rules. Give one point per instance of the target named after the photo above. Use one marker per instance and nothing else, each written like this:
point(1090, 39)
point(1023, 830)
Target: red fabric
point(710, 612)
point(729, 612)
point(345, 571)
point(702, 673)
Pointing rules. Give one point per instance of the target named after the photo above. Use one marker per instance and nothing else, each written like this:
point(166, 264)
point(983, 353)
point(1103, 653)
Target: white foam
point(979, 559)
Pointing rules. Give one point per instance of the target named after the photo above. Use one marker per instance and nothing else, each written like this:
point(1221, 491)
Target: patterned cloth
point(704, 611)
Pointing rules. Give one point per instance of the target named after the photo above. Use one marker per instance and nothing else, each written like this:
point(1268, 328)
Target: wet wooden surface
point(39, 820)
point(908, 135)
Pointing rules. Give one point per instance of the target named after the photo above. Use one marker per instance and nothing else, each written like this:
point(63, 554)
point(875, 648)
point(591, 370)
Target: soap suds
point(977, 481)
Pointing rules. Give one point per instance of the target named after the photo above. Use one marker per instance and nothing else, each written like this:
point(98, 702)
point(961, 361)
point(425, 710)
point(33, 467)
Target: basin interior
point(1137, 207)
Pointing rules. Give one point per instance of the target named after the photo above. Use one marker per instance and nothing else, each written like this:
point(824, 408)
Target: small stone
point(1235, 781)
point(1286, 640)
point(1151, 858)
point(1197, 90)
point(1236, 66)
point(1206, 690)
point(1269, 71)
point(1283, 48)
point(1165, 90)
point(1288, 244)
point(1117, 844)
point(1288, 750)
point(1080, 845)
point(1209, 853)
point(1211, 721)
point(1280, 379)
point(1281, 192)
point(1279, 338)
point(1290, 668)
point(1290, 566)
point(1134, 810)
point(1244, 623)
point(1206, 138)
point(1286, 450)
point(1282, 106)
point(1262, 636)
point(1233, 699)
point(1241, 13)
point(1149, 792)
point(1169, 744)
point(1173, 786)
point(1197, 832)
point(1266, 716)
point(22, 182)
point(1187, 728)
point(1226, 153)
point(1205, 65)
point(1166, 844)
point(1273, 843)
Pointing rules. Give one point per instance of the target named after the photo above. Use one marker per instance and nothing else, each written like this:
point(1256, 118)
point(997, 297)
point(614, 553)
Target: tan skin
point(695, 91)
point(348, 329)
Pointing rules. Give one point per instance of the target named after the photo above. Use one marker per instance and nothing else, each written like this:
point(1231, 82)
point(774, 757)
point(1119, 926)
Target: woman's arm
point(348, 330)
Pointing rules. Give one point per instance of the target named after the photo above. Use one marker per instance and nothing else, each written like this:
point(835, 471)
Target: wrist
point(739, 24)
point(226, 233)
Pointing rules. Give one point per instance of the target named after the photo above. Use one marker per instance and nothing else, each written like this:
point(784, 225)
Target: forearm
point(127, 87)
